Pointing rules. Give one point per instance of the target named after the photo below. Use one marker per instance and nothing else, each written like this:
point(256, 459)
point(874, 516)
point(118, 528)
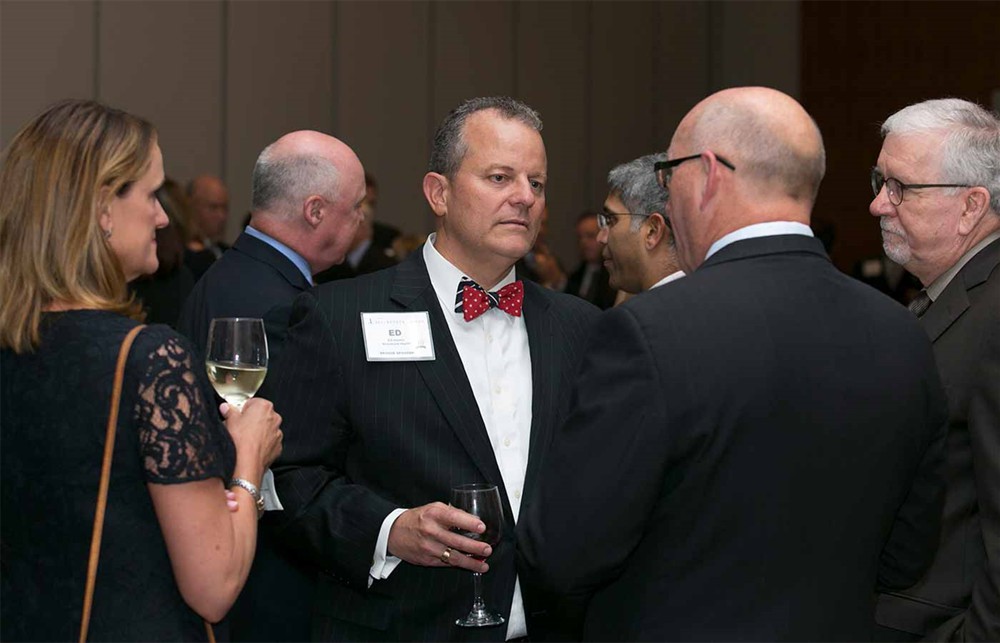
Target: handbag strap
point(102, 491)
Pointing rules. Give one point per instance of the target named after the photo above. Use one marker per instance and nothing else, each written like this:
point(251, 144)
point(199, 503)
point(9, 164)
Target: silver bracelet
point(252, 489)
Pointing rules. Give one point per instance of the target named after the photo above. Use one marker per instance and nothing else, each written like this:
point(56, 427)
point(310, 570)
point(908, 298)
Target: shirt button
point(506, 442)
point(489, 338)
point(517, 494)
point(498, 390)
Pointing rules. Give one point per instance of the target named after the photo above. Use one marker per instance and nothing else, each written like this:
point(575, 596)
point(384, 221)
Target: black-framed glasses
point(894, 187)
point(606, 218)
point(665, 169)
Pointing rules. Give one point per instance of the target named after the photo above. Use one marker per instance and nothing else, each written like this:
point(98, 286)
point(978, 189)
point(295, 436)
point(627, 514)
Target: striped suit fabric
point(363, 438)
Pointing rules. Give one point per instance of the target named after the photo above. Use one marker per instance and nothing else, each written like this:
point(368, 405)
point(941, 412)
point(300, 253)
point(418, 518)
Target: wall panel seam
point(97, 50)
point(224, 90)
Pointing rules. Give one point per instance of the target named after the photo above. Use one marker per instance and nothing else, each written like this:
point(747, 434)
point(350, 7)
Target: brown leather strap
point(102, 492)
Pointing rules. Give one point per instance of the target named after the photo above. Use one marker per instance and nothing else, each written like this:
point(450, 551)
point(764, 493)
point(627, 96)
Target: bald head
point(307, 194)
point(296, 166)
point(771, 139)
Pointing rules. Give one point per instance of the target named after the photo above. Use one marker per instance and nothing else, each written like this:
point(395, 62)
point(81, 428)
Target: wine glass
point(236, 358)
point(481, 500)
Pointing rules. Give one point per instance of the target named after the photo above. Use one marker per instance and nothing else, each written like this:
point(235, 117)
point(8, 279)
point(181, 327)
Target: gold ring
point(446, 556)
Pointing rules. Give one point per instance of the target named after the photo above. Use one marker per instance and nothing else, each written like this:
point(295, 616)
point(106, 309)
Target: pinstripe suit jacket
point(362, 439)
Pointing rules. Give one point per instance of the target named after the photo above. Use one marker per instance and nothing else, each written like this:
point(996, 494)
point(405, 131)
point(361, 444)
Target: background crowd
point(746, 444)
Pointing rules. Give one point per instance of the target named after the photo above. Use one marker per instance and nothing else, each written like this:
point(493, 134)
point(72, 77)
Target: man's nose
point(524, 193)
point(880, 205)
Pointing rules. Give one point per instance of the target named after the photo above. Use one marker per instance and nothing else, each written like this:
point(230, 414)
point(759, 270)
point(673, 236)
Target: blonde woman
point(78, 219)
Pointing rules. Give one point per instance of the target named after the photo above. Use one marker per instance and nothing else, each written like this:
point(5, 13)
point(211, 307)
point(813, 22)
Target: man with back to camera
point(770, 429)
point(380, 431)
point(638, 246)
point(937, 196)
point(306, 205)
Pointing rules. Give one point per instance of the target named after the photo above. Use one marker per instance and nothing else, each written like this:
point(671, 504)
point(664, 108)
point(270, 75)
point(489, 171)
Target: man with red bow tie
point(444, 370)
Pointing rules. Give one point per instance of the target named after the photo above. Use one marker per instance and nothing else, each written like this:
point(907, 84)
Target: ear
point(656, 228)
point(977, 205)
point(104, 202)
point(313, 210)
point(713, 178)
point(436, 192)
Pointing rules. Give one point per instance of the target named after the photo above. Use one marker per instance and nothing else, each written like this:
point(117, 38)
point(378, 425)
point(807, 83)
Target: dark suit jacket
point(362, 439)
point(373, 260)
point(600, 293)
point(750, 449)
point(252, 279)
point(959, 597)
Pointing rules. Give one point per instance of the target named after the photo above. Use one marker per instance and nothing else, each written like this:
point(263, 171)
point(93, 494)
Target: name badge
point(397, 337)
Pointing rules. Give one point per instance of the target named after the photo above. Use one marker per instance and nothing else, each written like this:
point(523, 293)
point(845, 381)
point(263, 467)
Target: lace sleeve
point(180, 436)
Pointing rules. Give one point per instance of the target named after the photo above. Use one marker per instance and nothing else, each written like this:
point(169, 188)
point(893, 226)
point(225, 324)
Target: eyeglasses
point(665, 169)
point(607, 219)
point(894, 187)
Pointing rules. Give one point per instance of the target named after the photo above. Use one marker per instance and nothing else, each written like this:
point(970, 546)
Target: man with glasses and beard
point(937, 196)
point(753, 448)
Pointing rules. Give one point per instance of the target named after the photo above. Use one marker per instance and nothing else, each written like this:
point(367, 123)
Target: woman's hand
point(256, 433)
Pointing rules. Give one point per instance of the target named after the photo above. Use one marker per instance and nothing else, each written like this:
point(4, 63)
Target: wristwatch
point(254, 492)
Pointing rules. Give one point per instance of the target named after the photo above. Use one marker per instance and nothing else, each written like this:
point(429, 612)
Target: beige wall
point(221, 79)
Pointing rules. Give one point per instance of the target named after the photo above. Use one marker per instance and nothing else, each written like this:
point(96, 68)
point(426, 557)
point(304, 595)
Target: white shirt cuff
point(382, 562)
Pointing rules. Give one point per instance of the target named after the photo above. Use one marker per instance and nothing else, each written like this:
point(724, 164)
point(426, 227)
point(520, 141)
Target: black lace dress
point(53, 414)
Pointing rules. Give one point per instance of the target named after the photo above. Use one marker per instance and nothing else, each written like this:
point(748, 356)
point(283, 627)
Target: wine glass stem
point(477, 588)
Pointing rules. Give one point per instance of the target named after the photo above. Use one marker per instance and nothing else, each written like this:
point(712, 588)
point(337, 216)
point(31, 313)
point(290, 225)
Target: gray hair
point(970, 152)
point(764, 152)
point(282, 182)
point(637, 187)
point(449, 147)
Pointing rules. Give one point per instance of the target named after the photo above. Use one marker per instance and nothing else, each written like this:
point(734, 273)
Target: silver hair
point(762, 152)
point(637, 187)
point(970, 152)
point(282, 182)
point(449, 146)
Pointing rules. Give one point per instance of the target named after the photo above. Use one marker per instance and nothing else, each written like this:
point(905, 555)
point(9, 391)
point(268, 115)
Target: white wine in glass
point(236, 358)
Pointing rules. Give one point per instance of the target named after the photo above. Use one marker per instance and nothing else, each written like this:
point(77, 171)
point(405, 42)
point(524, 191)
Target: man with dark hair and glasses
point(937, 196)
point(638, 247)
point(752, 447)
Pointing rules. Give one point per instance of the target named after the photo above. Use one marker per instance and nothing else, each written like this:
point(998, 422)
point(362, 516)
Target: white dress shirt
point(494, 351)
point(769, 229)
point(674, 276)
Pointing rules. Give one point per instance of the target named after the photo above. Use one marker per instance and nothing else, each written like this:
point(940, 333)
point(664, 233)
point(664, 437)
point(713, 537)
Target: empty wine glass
point(481, 500)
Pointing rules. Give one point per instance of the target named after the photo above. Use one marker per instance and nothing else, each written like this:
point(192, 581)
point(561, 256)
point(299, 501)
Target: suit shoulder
point(356, 290)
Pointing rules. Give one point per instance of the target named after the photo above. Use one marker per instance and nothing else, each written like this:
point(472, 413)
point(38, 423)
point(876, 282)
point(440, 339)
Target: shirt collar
point(289, 254)
point(445, 276)
point(938, 285)
point(666, 280)
point(768, 229)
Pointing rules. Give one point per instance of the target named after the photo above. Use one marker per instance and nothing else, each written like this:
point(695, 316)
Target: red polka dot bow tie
point(472, 301)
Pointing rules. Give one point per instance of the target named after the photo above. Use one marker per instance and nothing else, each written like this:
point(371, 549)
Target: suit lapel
point(545, 370)
point(445, 375)
point(954, 300)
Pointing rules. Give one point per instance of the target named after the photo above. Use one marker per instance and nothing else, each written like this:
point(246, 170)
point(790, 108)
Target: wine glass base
point(480, 618)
